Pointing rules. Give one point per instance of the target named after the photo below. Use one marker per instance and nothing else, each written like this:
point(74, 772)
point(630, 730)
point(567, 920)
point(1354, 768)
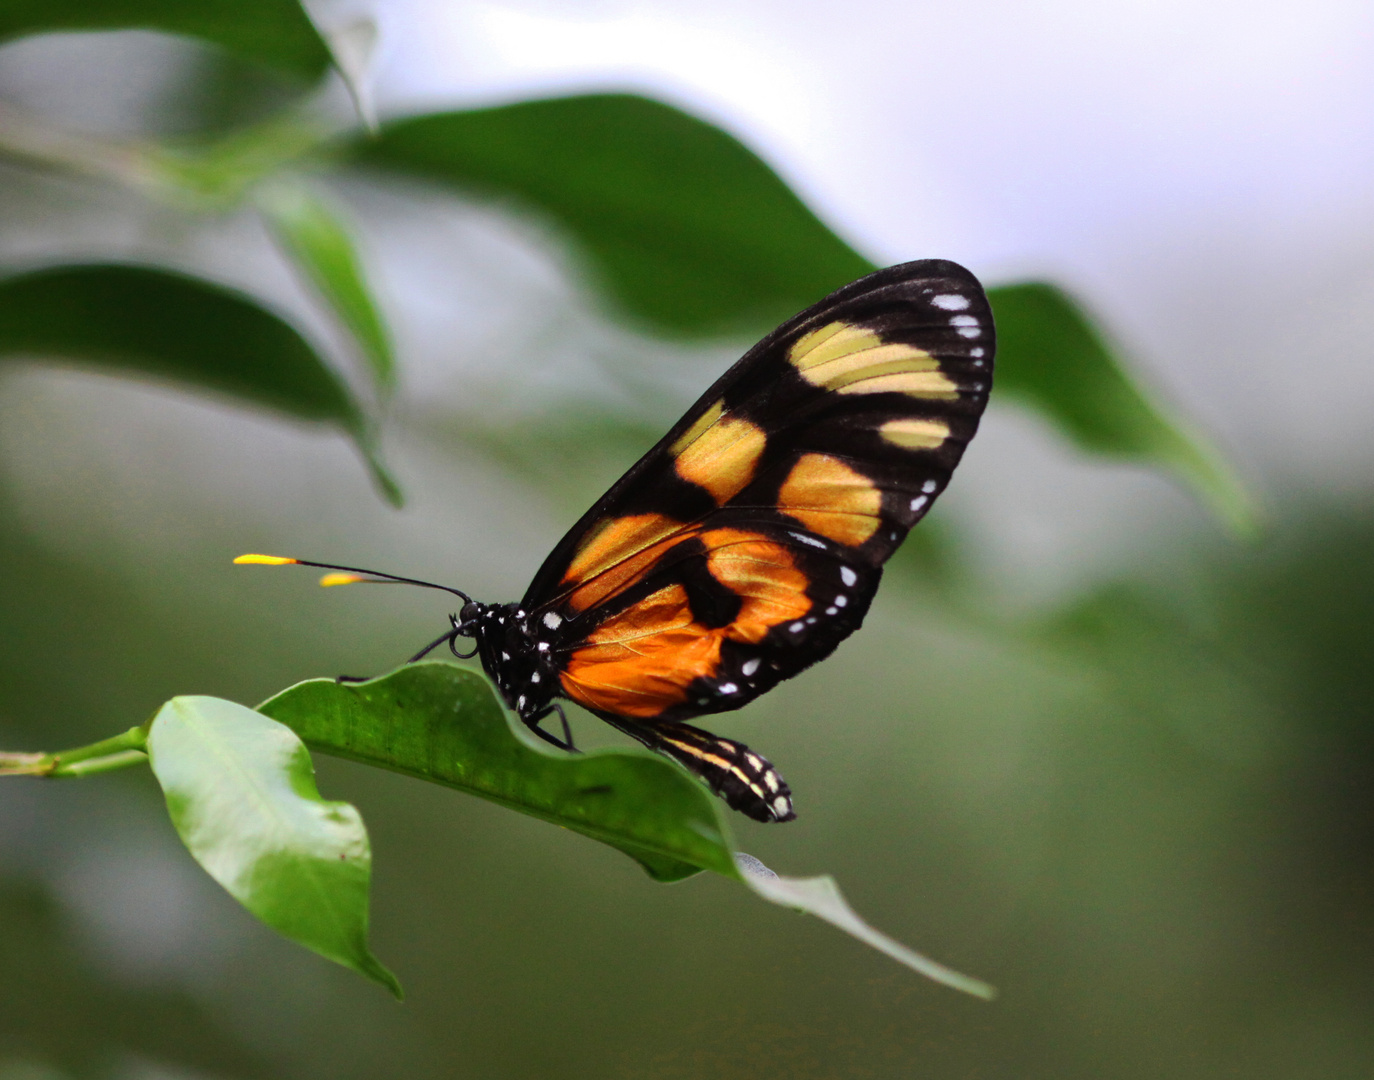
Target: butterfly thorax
point(514, 655)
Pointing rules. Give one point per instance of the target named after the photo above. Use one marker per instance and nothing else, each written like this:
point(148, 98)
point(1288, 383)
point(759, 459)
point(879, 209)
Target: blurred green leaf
point(443, 723)
point(276, 33)
point(1050, 355)
point(821, 897)
point(218, 175)
point(241, 792)
point(692, 233)
point(156, 322)
point(315, 237)
point(686, 228)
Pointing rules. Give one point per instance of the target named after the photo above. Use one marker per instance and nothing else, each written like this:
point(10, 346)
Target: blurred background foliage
point(1128, 781)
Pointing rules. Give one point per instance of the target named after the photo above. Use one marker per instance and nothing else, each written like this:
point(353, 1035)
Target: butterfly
point(749, 541)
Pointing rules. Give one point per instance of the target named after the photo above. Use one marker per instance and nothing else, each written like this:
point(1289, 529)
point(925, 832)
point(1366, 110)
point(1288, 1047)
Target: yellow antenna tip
point(341, 579)
point(265, 560)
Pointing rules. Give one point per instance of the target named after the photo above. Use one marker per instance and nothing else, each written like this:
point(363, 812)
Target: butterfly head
point(514, 653)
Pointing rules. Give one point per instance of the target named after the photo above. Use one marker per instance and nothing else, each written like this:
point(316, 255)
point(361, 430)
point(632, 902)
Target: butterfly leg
point(532, 722)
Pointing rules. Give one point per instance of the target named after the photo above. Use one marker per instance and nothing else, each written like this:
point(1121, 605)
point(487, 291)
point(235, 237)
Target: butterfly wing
point(749, 541)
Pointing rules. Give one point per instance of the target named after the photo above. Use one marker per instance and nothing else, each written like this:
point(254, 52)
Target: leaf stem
point(25, 135)
point(118, 752)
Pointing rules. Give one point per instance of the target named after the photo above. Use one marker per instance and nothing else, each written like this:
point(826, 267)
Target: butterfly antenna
point(350, 575)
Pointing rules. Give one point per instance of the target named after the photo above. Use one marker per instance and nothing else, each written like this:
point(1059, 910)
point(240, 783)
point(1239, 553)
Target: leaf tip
point(821, 897)
point(381, 974)
point(382, 478)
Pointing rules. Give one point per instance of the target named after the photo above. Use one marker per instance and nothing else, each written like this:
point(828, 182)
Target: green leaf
point(444, 724)
point(315, 237)
point(689, 231)
point(275, 33)
point(241, 792)
point(821, 897)
point(170, 326)
point(1050, 355)
point(685, 227)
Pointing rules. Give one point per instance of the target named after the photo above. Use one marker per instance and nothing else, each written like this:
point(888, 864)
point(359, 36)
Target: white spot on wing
point(750, 666)
point(841, 601)
point(755, 762)
point(535, 677)
point(848, 576)
point(976, 352)
point(552, 620)
point(950, 302)
point(929, 486)
point(520, 702)
point(967, 326)
point(797, 627)
point(781, 805)
point(543, 646)
point(771, 779)
point(919, 502)
point(505, 656)
point(832, 611)
point(809, 540)
point(729, 688)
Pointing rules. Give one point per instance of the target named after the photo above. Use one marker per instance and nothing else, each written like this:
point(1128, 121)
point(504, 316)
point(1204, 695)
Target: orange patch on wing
point(763, 574)
point(708, 416)
point(831, 499)
point(641, 661)
point(722, 457)
point(616, 554)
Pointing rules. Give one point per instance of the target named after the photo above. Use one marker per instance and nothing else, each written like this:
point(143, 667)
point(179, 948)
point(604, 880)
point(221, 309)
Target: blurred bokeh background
point(1089, 746)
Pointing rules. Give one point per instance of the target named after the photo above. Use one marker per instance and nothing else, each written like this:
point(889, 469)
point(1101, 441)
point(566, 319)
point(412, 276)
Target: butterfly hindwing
point(744, 779)
point(723, 613)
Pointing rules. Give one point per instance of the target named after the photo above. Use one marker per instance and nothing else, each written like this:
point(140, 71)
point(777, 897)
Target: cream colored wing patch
point(850, 359)
point(915, 434)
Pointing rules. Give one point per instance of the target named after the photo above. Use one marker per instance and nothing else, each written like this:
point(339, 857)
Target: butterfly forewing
point(748, 543)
